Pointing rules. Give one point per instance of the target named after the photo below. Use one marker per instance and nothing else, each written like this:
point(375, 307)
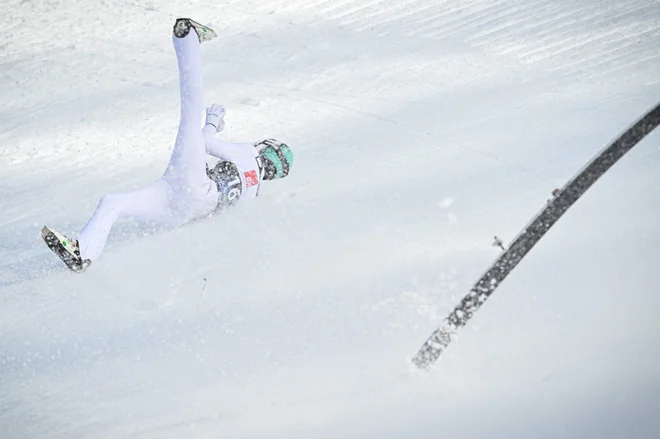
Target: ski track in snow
point(420, 130)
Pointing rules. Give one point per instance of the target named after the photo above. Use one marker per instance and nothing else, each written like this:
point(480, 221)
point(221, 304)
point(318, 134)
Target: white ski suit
point(184, 192)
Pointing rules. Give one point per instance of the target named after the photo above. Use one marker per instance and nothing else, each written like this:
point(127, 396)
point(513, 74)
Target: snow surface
point(421, 129)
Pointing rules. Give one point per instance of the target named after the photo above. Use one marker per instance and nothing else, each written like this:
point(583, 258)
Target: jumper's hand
point(215, 116)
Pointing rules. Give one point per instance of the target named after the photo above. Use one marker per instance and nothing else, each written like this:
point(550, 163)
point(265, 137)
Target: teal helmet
point(275, 159)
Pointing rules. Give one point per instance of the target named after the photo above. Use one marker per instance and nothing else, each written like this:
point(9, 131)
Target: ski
point(561, 201)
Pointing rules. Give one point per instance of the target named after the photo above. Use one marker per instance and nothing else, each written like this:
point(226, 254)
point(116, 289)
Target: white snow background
point(421, 129)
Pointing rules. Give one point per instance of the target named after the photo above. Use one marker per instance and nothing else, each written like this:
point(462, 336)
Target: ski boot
point(66, 249)
point(183, 25)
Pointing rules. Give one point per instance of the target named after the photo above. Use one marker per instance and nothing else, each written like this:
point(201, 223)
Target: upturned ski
point(65, 248)
point(531, 234)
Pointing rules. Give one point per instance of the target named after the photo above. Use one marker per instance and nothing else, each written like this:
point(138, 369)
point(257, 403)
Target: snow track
point(420, 130)
point(563, 36)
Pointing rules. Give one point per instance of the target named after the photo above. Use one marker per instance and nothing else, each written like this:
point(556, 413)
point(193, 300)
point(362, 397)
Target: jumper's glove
point(215, 116)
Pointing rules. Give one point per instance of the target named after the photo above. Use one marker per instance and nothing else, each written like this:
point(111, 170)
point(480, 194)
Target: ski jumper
point(185, 191)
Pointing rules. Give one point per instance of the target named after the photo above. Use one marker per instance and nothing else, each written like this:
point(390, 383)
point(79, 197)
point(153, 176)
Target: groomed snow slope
point(420, 130)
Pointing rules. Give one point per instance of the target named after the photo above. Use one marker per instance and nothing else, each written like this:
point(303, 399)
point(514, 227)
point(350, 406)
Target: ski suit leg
point(148, 204)
point(185, 191)
point(186, 171)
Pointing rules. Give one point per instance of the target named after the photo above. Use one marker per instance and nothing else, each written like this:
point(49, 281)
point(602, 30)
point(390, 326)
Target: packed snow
point(421, 129)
